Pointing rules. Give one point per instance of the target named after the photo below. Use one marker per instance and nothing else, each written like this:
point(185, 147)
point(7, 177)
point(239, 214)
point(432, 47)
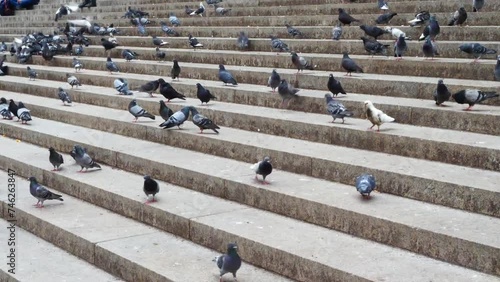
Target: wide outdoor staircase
point(436, 218)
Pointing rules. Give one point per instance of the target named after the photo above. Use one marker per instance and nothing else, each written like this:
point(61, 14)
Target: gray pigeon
point(150, 187)
point(287, 92)
point(203, 122)
point(173, 19)
point(64, 96)
point(472, 97)
point(3, 47)
point(429, 49)
point(149, 87)
point(55, 159)
point(477, 5)
point(111, 66)
point(459, 17)
point(349, 65)
point(420, 18)
point(23, 113)
point(373, 31)
point(336, 109)
point(263, 168)
point(385, 18)
point(129, 55)
point(4, 109)
point(165, 112)
point(41, 193)
point(229, 262)
point(160, 54)
point(334, 86)
point(497, 69)
point(243, 41)
point(365, 184)
point(400, 47)
point(277, 44)
point(374, 47)
point(441, 93)
point(168, 30)
point(221, 10)
point(83, 159)
point(77, 64)
point(274, 80)
point(292, 31)
point(476, 50)
point(137, 111)
point(301, 63)
point(175, 71)
point(31, 73)
point(226, 76)
point(177, 119)
point(140, 28)
point(434, 28)
point(337, 31)
point(72, 80)
point(158, 42)
point(121, 85)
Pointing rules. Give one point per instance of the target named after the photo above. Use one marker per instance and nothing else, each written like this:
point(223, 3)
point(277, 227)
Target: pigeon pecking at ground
point(477, 5)
point(41, 193)
point(459, 17)
point(263, 168)
point(301, 63)
point(287, 92)
point(150, 187)
point(373, 31)
point(243, 42)
point(334, 86)
point(337, 31)
point(385, 18)
point(221, 10)
point(349, 65)
point(374, 47)
point(472, 97)
point(160, 54)
point(31, 73)
point(365, 184)
point(121, 85)
point(83, 159)
point(63, 96)
point(55, 159)
point(23, 113)
point(420, 18)
point(4, 109)
point(277, 44)
point(168, 30)
point(176, 70)
point(376, 116)
point(129, 55)
point(336, 109)
point(158, 42)
point(441, 93)
point(137, 111)
point(177, 119)
point(274, 80)
point(476, 50)
point(173, 19)
point(193, 42)
point(72, 80)
point(169, 92)
point(149, 87)
point(292, 31)
point(345, 18)
point(226, 76)
point(203, 122)
point(203, 94)
point(111, 66)
point(396, 32)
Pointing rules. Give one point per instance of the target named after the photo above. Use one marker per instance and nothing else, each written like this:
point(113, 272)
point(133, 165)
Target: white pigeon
point(376, 116)
point(83, 23)
point(396, 32)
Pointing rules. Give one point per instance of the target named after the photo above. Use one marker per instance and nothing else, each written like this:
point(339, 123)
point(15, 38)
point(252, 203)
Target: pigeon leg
point(37, 203)
point(201, 131)
point(264, 182)
point(55, 169)
point(370, 128)
point(468, 108)
point(135, 120)
point(378, 128)
point(343, 120)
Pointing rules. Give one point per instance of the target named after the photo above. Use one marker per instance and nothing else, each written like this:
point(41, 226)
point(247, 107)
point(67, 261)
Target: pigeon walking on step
point(221, 10)
point(177, 119)
point(376, 116)
point(168, 30)
point(13, 108)
point(292, 31)
point(202, 122)
point(121, 85)
point(158, 42)
point(336, 109)
point(72, 80)
point(441, 93)
point(337, 31)
point(372, 30)
point(496, 72)
point(420, 18)
point(229, 262)
point(385, 18)
point(55, 159)
point(41, 193)
point(349, 65)
point(199, 11)
point(4, 109)
point(137, 111)
point(108, 45)
point(203, 94)
point(63, 96)
point(225, 76)
point(374, 47)
point(301, 63)
point(334, 86)
point(160, 54)
point(274, 80)
point(169, 92)
point(400, 47)
point(472, 97)
point(345, 18)
point(83, 159)
point(150, 187)
point(173, 19)
point(477, 5)
point(111, 66)
point(193, 42)
point(165, 112)
point(429, 49)
point(365, 184)
point(459, 17)
point(23, 113)
point(175, 71)
point(149, 87)
point(263, 168)
point(31, 73)
point(287, 92)
point(243, 42)
point(277, 44)
point(129, 55)
point(77, 65)
point(476, 50)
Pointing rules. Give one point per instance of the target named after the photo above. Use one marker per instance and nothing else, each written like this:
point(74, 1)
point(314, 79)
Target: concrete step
point(306, 160)
point(215, 169)
point(33, 255)
point(114, 243)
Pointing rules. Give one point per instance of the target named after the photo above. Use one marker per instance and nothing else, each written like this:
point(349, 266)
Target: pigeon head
point(162, 81)
point(293, 54)
point(133, 102)
point(32, 179)
point(433, 18)
point(20, 105)
point(498, 57)
point(341, 10)
point(368, 104)
point(193, 110)
point(186, 110)
point(440, 81)
point(175, 62)
point(163, 23)
point(147, 177)
point(162, 104)
point(328, 97)
point(221, 67)
point(109, 59)
point(266, 159)
point(345, 54)
point(157, 48)
point(103, 39)
point(363, 27)
point(3, 100)
point(190, 36)
point(51, 150)
point(198, 85)
point(272, 36)
point(364, 188)
point(232, 248)
point(28, 68)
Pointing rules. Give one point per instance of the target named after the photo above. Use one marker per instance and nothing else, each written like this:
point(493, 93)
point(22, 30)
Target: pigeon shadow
point(89, 171)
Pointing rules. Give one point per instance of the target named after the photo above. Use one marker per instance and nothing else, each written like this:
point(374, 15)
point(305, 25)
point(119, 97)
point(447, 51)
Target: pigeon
point(472, 97)
point(243, 41)
point(72, 80)
point(149, 87)
point(385, 18)
point(23, 113)
point(108, 45)
point(476, 50)
point(177, 119)
point(188, 10)
point(287, 92)
point(425, 33)
point(226, 76)
point(229, 262)
point(337, 31)
point(3, 47)
point(167, 30)
point(165, 112)
point(365, 184)
point(158, 42)
point(263, 168)
point(274, 80)
point(372, 31)
point(150, 188)
point(4, 109)
point(213, 2)
point(203, 94)
point(434, 28)
point(376, 116)
point(301, 63)
point(382, 5)
point(77, 64)
point(199, 11)
point(497, 69)
point(64, 96)
point(129, 55)
point(374, 47)
point(334, 86)
point(429, 48)
point(459, 17)
point(111, 66)
point(345, 18)
point(13, 108)
point(31, 73)
point(137, 111)
point(141, 29)
point(477, 5)
point(420, 18)
point(277, 44)
point(441, 93)
point(41, 193)
point(160, 54)
point(65, 10)
point(336, 109)
point(83, 159)
point(168, 91)
point(47, 53)
point(175, 71)
point(400, 47)
point(121, 85)
point(349, 65)
point(203, 122)
point(221, 10)
point(292, 31)
point(173, 19)
point(396, 32)
point(193, 42)
point(55, 159)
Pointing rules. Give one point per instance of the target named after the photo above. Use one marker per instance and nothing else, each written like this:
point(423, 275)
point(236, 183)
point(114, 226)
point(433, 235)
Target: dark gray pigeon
point(23, 113)
point(31, 73)
point(345, 18)
point(382, 5)
point(263, 168)
point(72, 80)
point(472, 97)
point(497, 69)
point(3, 47)
point(188, 10)
point(203, 122)
point(177, 119)
point(158, 42)
point(203, 94)
point(337, 31)
point(374, 47)
point(400, 47)
point(477, 5)
point(121, 85)
point(79, 50)
point(129, 55)
point(349, 65)
point(169, 92)
point(4, 109)
point(173, 19)
point(420, 18)
point(292, 31)
point(77, 64)
point(385, 18)
point(373, 31)
point(13, 108)
point(137, 111)
point(199, 11)
point(64, 96)
point(365, 184)
point(459, 17)
point(165, 112)
point(221, 10)
point(140, 28)
point(55, 159)
point(277, 44)
point(336, 109)
point(334, 86)
point(287, 92)
point(425, 33)
point(301, 63)
point(441, 93)
point(150, 187)
point(429, 49)
point(193, 42)
point(160, 54)
point(274, 80)
point(111, 66)
point(226, 76)
point(175, 71)
point(41, 193)
point(168, 30)
point(476, 50)
point(149, 87)
point(229, 262)
point(83, 159)
point(243, 41)
point(434, 28)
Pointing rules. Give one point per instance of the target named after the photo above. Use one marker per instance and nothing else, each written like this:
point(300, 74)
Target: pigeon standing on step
point(23, 113)
point(108, 45)
point(65, 10)
point(336, 109)
point(149, 87)
point(243, 41)
point(4, 109)
point(137, 111)
point(441, 93)
point(287, 92)
point(175, 71)
point(188, 10)
point(79, 50)
point(229, 262)
point(160, 54)
point(226, 76)
point(167, 30)
point(165, 112)
point(202, 122)
point(83, 159)
point(199, 11)
point(376, 116)
point(63, 96)
point(13, 108)
point(55, 159)
point(173, 19)
point(111, 66)
point(385, 18)
point(221, 10)
point(129, 55)
point(274, 80)
point(292, 31)
point(472, 97)
point(349, 65)
point(434, 28)
point(374, 47)
point(372, 31)
point(337, 31)
point(3, 47)
point(277, 44)
point(140, 28)
point(203, 94)
point(400, 47)
point(345, 18)
point(429, 49)
point(334, 86)
point(72, 80)
point(301, 63)
point(420, 18)
point(497, 69)
point(382, 5)
point(169, 92)
point(77, 65)
point(459, 17)
point(41, 193)
point(263, 168)
point(193, 42)
point(477, 5)
point(396, 32)
point(177, 119)
point(158, 42)
point(31, 73)
point(121, 85)
point(365, 184)
point(150, 187)
point(476, 50)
